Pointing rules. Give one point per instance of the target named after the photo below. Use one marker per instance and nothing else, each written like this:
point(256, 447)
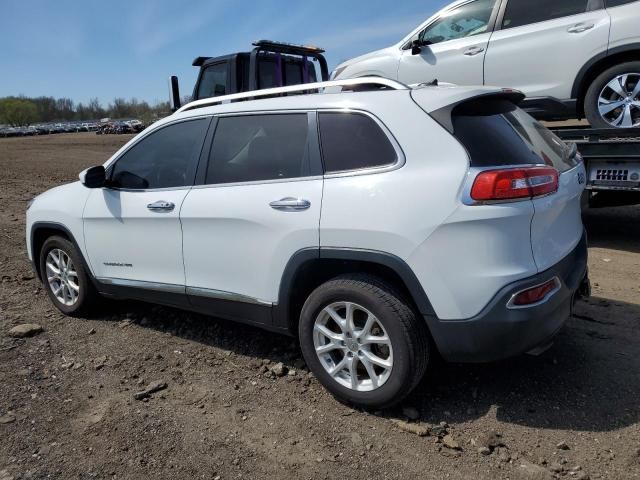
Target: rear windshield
point(498, 133)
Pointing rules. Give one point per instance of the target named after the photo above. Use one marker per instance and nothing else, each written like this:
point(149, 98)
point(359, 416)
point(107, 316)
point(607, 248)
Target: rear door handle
point(290, 204)
point(473, 51)
point(161, 206)
point(580, 27)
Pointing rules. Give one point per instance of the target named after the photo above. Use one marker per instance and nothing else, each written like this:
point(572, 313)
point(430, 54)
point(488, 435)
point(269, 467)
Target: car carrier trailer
point(612, 160)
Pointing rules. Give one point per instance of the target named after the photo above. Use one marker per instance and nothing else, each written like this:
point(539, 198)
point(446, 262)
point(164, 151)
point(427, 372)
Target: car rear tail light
point(534, 295)
point(514, 183)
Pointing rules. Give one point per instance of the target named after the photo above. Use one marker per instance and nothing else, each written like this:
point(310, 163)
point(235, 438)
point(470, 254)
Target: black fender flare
point(35, 263)
point(580, 77)
point(390, 261)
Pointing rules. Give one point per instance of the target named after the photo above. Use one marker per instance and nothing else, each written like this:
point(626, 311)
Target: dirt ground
point(67, 406)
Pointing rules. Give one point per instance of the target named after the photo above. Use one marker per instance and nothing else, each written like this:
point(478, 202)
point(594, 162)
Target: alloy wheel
point(353, 346)
point(619, 101)
point(62, 277)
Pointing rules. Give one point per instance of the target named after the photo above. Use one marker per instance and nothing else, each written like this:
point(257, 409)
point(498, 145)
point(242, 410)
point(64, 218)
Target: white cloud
point(153, 29)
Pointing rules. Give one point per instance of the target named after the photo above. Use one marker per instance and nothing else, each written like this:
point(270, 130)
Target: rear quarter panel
point(461, 255)
point(557, 228)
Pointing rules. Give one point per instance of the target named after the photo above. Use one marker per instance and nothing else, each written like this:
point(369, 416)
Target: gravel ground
point(226, 409)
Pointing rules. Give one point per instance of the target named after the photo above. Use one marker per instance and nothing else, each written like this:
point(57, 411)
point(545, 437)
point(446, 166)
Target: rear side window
point(290, 72)
point(352, 141)
point(260, 147)
point(497, 133)
point(165, 158)
point(525, 12)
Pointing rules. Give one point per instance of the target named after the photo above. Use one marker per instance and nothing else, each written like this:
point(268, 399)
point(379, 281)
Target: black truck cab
point(269, 65)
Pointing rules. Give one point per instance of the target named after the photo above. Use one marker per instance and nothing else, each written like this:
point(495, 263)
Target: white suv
point(572, 58)
point(378, 226)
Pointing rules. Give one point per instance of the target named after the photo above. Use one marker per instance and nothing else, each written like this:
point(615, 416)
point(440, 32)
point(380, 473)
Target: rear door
point(456, 45)
point(258, 204)
point(540, 46)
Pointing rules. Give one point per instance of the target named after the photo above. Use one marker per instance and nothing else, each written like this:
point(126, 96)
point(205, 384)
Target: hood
point(372, 63)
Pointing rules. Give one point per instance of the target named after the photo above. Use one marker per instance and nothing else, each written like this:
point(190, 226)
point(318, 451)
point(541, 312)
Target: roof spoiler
point(444, 115)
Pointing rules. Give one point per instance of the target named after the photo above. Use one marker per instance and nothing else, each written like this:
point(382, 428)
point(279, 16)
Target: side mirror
point(94, 177)
point(416, 47)
point(174, 93)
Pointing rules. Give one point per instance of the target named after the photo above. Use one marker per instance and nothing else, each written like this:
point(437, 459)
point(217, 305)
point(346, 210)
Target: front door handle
point(161, 206)
point(580, 27)
point(473, 51)
point(290, 204)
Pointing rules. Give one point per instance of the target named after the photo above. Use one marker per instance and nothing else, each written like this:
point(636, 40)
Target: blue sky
point(114, 48)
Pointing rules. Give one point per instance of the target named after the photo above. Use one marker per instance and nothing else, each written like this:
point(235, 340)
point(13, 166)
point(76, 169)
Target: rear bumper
point(499, 332)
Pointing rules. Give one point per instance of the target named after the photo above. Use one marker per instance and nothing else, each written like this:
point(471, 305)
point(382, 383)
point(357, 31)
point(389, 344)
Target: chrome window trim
point(142, 190)
point(245, 113)
point(181, 289)
point(400, 156)
point(558, 286)
point(257, 182)
point(223, 295)
point(156, 286)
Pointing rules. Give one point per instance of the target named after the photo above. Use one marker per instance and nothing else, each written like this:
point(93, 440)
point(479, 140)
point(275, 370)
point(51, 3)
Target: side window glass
point(617, 3)
point(465, 21)
point(164, 159)
point(353, 141)
point(214, 81)
point(259, 147)
point(525, 12)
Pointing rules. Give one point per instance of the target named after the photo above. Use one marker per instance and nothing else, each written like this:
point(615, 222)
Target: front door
point(132, 227)
point(454, 46)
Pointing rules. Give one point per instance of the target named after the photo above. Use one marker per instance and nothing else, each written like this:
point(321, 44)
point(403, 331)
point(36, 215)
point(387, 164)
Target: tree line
point(22, 111)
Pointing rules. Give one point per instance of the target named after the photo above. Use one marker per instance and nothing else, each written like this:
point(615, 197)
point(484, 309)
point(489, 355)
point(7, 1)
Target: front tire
point(64, 277)
point(362, 341)
point(613, 98)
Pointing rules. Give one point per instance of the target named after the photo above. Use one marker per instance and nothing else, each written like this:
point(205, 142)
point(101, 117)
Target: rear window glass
point(498, 133)
point(352, 141)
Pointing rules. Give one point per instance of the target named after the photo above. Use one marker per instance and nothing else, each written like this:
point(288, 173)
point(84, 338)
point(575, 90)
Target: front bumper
point(498, 332)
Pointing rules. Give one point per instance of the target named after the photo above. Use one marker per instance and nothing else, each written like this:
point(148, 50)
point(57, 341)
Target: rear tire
point(386, 345)
point(64, 277)
point(600, 93)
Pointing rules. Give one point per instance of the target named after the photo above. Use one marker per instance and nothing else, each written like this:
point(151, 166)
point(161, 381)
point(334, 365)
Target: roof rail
point(352, 82)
